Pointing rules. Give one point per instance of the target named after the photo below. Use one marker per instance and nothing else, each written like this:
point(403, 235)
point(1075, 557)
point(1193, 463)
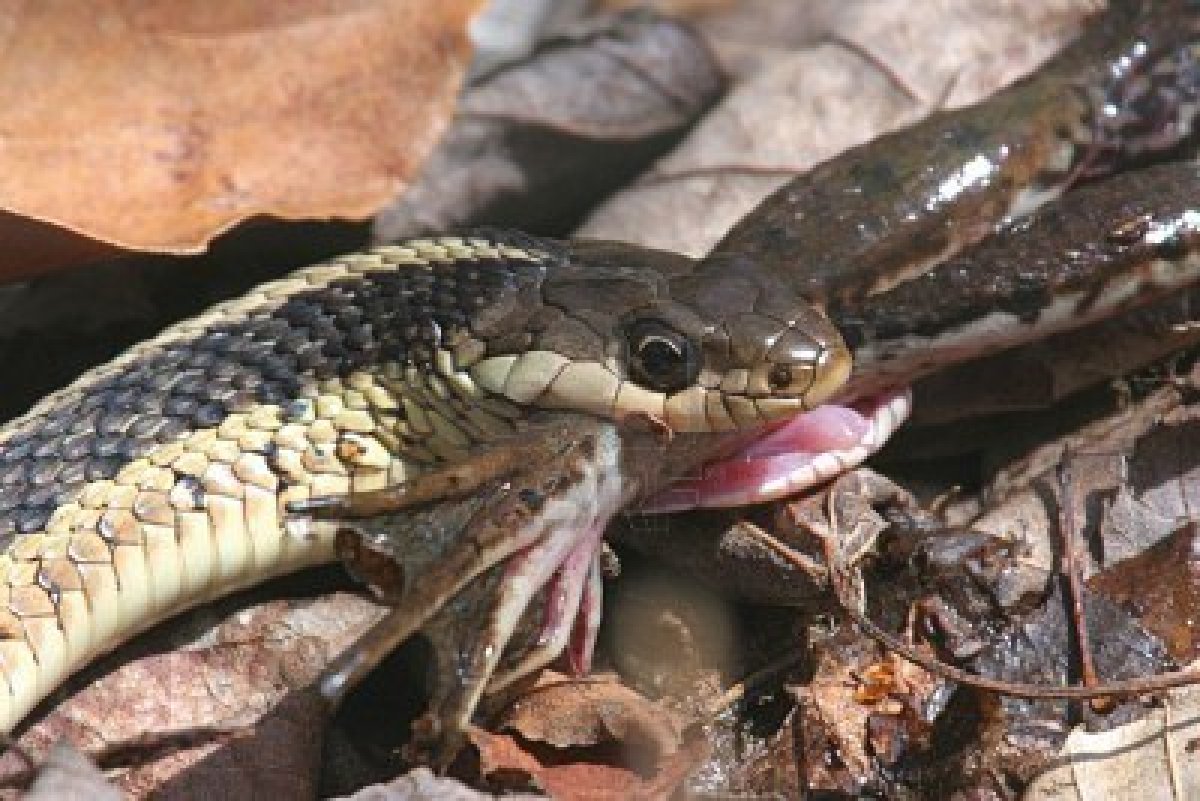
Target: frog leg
point(522, 580)
point(446, 482)
point(570, 592)
point(475, 563)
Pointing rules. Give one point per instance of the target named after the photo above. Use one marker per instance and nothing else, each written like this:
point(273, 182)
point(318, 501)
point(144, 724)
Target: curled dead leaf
point(539, 142)
point(570, 714)
point(157, 126)
point(589, 739)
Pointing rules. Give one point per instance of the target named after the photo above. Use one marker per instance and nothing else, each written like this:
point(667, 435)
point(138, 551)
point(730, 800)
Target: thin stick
point(1072, 567)
point(738, 690)
point(1163, 681)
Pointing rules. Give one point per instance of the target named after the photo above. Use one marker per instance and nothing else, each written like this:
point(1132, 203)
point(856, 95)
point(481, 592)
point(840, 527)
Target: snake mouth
point(787, 457)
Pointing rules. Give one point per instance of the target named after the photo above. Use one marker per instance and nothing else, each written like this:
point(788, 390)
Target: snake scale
point(203, 460)
point(161, 480)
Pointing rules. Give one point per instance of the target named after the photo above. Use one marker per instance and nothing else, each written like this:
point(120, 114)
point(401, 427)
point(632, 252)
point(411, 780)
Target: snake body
point(885, 224)
point(162, 479)
point(165, 478)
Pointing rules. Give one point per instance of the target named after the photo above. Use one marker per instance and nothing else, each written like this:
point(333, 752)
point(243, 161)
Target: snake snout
point(785, 367)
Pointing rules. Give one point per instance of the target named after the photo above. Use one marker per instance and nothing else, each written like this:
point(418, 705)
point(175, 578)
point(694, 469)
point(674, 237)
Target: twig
point(1163, 681)
point(1069, 532)
point(738, 690)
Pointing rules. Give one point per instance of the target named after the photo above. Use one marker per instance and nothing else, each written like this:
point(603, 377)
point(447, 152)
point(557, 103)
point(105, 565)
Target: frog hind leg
point(528, 606)
point(473, 565)
point(569, 615)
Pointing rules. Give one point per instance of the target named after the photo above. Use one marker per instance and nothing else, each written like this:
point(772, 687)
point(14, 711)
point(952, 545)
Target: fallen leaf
point(68, 775)
point(1157, 757)
point(599, 710)
point(221, 715)
point(536, 144)
point(1159, 584)
point(156, 127)
point(422, 785)
point(591, 739)
point(879, 67)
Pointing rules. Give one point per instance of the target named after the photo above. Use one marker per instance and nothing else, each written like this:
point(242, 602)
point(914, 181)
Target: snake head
point(619, 330)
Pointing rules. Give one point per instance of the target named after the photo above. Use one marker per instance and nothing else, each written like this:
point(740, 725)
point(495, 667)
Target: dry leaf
point(422, 785)
point(591, 739)
point(507, 30)
point(599, 710)
point(157, 126)
point(225, 712)
point(1147, 760)
point(1160, 583)
point(539, 143)
point(69, 776)
point(812, 103)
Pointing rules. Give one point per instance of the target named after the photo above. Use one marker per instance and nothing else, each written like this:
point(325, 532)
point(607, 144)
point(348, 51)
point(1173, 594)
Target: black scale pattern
point(264, 358)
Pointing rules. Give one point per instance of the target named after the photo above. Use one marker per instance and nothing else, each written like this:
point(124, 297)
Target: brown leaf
point(156, 127)
point(223, 715)
point(878, 66)
point(1160, 585)
point(589, 739)
point(597, 711)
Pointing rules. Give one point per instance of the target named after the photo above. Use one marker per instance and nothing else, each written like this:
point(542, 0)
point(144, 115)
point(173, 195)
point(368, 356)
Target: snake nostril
point(780, 377)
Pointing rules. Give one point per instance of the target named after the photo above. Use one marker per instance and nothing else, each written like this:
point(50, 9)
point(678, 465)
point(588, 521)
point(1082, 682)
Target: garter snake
point(172, 474)
point(161, 479)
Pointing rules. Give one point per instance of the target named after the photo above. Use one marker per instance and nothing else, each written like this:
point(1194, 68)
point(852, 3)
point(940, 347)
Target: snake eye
point(780, 377)
point(661, 358)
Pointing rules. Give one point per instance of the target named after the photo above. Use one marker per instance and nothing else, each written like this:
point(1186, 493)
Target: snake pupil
point(659, 357)
point(662, 358)
point(780, 377)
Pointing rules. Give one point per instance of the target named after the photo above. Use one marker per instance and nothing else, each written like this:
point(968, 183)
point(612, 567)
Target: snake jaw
point(790, 457)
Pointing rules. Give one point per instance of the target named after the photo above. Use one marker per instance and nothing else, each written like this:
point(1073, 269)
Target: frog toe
point(504, 627)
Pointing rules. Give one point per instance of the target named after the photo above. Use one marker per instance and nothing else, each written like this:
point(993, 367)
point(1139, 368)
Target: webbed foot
point(496, 563)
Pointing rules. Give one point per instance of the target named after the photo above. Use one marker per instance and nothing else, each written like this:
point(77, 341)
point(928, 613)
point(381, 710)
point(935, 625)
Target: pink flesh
point(751, 474)
point(826, 428)
point(583, 636)
point(784, 449)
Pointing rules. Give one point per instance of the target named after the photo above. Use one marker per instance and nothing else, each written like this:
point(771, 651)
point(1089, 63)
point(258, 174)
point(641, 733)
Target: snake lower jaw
point(800, 453)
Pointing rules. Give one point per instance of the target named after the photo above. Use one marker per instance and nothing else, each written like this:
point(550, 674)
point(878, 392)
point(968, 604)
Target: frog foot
point(569, 614)
point(540, 604)
point(791, 457)
point(501, 579)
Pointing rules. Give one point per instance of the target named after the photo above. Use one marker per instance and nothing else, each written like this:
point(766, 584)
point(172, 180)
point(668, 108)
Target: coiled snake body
point(205, 459)
point(163, 478)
